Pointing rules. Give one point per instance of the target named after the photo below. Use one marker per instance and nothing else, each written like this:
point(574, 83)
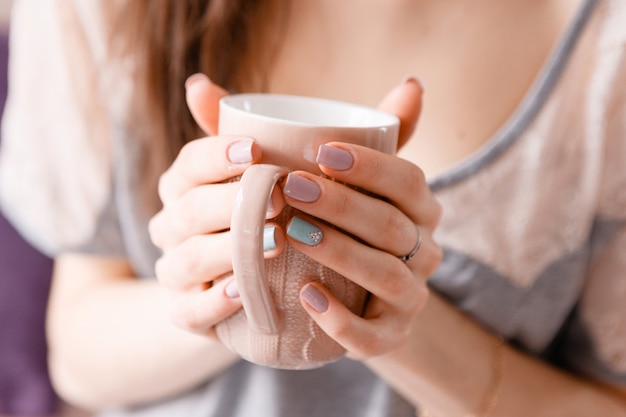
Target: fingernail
point(231, 290)
point(412, 79)
point(304, 232)
point(335, 158)
point(314, 298)
point(240, 152)
point(300, 188)
point(194, 78)
point(269, 238)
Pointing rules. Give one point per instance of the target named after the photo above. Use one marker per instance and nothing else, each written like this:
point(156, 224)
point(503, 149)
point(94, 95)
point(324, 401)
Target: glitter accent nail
point(316, 236)
point(304, 232)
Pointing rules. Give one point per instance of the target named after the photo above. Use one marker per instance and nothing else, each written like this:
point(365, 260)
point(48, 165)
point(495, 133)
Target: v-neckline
point(513, 128)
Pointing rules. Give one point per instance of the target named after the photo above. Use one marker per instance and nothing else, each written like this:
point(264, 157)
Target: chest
point(475, 70)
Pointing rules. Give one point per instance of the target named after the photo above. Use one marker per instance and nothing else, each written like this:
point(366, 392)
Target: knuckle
point(154, 230)
point(161, 268)
point(187, 260)
point(415, 180)
point(413, 303)
point(397, 279)
point(438, 211)
point(422, 298)
point(436, 257)
point(377, 345)
point(163, 185)
point(176, 267)
point(184, 217)
point(165, 272)
point(402, 336)
point(187, 153)
point(342, 329)
point(395, 225)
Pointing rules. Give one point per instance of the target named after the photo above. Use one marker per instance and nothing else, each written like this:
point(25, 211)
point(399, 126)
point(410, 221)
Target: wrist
point(449, 366)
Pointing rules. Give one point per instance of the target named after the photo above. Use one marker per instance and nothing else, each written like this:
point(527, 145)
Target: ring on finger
point(416, 248)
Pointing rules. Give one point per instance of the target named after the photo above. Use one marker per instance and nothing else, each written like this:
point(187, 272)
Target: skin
point(414, 340)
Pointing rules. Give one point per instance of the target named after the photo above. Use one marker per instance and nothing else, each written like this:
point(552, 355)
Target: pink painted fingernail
point(333, 157)
point(412, 79)
point(240, 152)
point(301, 189)
point(195, 77)
point(314, 298)
point(231, 290)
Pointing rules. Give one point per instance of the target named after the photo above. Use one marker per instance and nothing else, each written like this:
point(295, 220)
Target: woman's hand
point(378, 233)
point(192, 228)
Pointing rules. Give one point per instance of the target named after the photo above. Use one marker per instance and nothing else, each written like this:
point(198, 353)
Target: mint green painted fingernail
point(304, 232)
point(269, 238)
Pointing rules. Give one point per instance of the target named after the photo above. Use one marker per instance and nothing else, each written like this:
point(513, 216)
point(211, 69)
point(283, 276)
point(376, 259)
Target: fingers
point(398, 289)
point(379, 223)
point(205, 161)
point(200, 310)
point(381, 273)
point(203, 98)
point(405, 101)
point(377, 217)
point(202, 210)
point(396, 180)
point(362, 337)
point(200, 258)
point(193, 273)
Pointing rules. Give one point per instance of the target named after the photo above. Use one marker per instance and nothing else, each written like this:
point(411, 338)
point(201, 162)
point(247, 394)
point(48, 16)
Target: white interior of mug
point(308, 111)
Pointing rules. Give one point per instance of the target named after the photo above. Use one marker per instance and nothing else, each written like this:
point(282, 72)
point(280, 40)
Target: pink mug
point(273, 329)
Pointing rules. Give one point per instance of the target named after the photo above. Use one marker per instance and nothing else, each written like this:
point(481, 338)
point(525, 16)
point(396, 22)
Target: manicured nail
point(333, 157)
point(314, 298)
point(300, 188)
point(195, 77)
point(269, 238)
point(231, 290)
point(304, 232)
point(240, 152)
point(412, 79)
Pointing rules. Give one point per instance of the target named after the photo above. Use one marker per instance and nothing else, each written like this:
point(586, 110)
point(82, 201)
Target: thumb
point(405, 101)
point(203, 98)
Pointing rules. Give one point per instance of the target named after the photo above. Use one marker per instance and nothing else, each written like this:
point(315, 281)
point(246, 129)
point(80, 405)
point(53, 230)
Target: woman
point(522, 142)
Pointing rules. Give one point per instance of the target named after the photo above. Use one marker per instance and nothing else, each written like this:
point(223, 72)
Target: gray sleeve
point(594, 342)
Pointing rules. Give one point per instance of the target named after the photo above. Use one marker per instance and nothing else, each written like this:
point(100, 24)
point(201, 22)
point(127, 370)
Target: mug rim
point(243, 104)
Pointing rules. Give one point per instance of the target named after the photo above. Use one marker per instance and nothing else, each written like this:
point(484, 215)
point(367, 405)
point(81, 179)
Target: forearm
point(111, 341)
point(449, 364)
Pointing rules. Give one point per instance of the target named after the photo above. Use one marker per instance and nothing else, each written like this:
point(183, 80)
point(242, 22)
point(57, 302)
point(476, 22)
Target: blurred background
point(5, 8)
point(25, 389)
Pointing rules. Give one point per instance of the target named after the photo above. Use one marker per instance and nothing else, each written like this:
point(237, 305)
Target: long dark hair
point(167, 41)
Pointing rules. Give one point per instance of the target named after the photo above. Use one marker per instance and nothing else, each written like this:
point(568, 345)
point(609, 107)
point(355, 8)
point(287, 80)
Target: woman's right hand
point(192, 228)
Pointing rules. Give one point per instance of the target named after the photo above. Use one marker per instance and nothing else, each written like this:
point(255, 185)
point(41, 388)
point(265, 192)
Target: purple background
point(24, 284)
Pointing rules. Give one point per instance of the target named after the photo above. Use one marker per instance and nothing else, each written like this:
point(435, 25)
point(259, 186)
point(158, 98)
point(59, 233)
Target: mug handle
point(247, 227)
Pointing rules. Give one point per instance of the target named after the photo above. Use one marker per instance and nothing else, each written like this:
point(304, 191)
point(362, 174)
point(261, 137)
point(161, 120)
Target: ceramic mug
point(272, 328)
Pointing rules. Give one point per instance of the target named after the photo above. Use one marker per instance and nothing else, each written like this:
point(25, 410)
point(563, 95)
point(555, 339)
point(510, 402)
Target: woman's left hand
point(379, 233)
